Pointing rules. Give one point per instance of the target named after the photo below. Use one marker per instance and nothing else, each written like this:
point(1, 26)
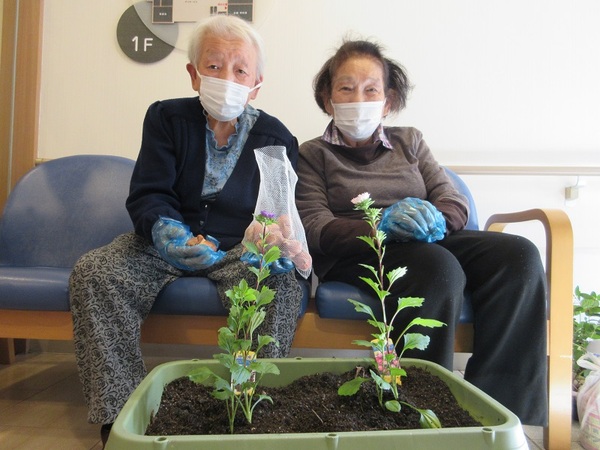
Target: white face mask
point(223, 100)
point(358, 120)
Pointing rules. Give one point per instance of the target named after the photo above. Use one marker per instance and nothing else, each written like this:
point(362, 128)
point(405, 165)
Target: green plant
point(389, 373)
point(239, 340)
point(586, 327)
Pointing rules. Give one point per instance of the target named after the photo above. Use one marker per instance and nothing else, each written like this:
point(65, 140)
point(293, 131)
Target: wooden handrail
point(527, 170)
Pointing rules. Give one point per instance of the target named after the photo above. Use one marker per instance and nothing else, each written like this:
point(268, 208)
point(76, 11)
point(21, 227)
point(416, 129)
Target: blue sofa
point(67, 206)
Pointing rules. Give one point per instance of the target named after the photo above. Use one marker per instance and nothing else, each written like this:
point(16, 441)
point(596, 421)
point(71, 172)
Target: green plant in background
point(389, 372)
point(239, 340)
point(586, 327)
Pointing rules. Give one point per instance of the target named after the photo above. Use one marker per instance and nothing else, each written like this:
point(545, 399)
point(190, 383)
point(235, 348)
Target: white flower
point(361, 198)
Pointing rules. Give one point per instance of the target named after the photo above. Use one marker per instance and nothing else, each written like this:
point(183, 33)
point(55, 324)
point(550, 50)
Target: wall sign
point(141, 40)
point(147, 31)
point(169, 11)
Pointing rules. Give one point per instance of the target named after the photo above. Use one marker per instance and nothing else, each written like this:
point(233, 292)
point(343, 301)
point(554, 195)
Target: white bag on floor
point(588, 403)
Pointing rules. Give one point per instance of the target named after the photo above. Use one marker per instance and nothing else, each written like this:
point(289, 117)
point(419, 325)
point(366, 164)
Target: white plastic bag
point(276, 195)
point(588, 403)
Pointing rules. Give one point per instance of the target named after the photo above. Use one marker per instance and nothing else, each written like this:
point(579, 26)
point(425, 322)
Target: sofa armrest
point(559, 271)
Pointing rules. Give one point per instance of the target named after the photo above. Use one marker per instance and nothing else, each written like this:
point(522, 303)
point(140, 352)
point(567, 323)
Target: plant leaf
point(265, 340)
point(370, 269)
point(380, 235)
point(261, 366)
point(200, 375)
point(272, 254)
point(410, 302)
point(251, 247)
point(361, 307)
point(429, 323)
point(375, 286)
point(429, 419)
point(240, 374)
point(260, 399)
point(221, 394)
point(256, 319)
point(397, 372)
point(369, 240)
point(379, 325)
point(363, 343)
point(393, 405)
point(265, 296)
point(415, 340)
point(351, 387)
point(226, 360)
point(395, 274)
point(383, 385)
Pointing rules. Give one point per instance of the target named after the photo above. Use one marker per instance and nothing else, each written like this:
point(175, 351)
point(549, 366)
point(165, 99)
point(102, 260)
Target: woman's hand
point(171, 241)
point(413, 219)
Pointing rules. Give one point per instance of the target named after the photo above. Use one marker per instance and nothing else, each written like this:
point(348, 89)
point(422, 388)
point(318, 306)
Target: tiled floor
point(41, 405)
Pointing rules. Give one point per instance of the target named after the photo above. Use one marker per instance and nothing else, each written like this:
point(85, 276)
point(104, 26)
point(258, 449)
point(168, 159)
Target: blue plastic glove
point(413, 219)
point(281, 265)
point(170, 237)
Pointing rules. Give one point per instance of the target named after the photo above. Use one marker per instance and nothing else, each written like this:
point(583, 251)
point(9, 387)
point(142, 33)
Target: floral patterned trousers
point(112, 290)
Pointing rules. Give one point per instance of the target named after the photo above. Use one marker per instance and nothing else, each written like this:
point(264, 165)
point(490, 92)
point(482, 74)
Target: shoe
point(105, 432)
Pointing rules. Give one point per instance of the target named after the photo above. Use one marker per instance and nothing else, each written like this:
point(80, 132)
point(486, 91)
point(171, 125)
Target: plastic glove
point(413, 219)
point(281, 265)
point(170, 237)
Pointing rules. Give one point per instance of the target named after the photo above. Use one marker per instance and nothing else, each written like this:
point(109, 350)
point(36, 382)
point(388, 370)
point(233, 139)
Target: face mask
point(357, 120)
point(223, 99)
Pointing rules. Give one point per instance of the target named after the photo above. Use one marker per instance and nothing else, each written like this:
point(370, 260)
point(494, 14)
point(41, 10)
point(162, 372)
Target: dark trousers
point(505, 280)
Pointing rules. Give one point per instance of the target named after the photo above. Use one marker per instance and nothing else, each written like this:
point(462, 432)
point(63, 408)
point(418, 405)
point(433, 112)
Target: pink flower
point(361, 198)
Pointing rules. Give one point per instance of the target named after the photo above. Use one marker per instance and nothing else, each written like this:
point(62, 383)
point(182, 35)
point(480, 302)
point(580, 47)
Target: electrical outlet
point(571, 192)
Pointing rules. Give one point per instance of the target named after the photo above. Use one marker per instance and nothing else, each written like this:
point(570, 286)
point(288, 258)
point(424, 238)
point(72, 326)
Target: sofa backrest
point(473, 221)
point(67, 206)
point(63, 208)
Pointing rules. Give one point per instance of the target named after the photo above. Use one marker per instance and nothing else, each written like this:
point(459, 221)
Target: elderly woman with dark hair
point(424, 218)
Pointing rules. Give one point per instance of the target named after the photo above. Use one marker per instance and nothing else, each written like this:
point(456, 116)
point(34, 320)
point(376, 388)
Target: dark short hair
point(397, 85)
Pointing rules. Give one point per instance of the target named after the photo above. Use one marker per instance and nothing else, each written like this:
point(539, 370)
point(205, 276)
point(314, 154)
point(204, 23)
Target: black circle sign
point(137, 41)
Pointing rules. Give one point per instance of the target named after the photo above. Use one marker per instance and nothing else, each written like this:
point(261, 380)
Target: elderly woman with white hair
point(196, 173)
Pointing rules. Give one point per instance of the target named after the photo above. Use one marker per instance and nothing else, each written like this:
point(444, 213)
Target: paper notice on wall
point(171, 11)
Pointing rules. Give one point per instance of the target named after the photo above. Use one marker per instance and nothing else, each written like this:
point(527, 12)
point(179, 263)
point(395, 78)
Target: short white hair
point(227, 26)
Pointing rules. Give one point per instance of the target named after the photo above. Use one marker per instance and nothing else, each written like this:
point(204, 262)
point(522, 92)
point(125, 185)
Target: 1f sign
point(137, 38)
point(147, 42)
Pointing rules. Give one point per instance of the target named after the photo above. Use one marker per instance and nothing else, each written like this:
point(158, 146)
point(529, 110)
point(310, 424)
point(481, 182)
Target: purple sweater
point(330, 176)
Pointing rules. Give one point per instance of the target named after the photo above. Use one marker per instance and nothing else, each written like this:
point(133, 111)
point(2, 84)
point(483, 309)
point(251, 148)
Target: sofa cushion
point(34, 288)
point(194, 295)
point(331, 299)
point(47, 289)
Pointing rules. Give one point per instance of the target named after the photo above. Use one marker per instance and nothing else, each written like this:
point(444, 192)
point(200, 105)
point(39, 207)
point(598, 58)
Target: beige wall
point(510, 82)
point(496, 83)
